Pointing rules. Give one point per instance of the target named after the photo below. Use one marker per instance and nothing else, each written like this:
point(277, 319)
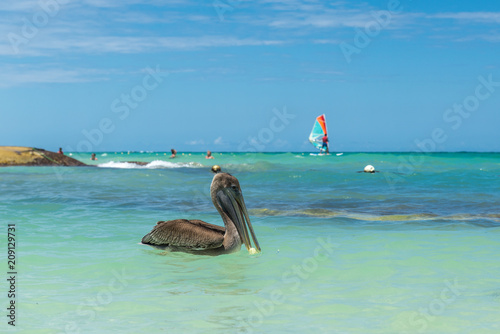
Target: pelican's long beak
point(240, 217)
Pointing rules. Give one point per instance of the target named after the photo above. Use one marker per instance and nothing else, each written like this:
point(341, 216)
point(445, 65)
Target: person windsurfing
point(319, 137)
point(325, 144)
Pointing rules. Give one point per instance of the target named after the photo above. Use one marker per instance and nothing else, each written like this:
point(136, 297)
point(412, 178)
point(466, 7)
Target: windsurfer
point(319, 137)
point(325, 144)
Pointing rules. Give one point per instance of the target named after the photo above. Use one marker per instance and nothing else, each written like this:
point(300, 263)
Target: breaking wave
point(156, 164)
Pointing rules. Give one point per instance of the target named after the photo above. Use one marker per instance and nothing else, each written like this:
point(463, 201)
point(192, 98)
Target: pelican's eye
point(235, 188)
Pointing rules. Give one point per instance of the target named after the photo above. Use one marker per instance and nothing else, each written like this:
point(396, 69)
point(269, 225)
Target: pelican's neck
point(232, 240)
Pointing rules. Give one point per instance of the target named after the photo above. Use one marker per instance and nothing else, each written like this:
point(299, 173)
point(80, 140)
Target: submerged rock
point(29, 156)
point(139, 163)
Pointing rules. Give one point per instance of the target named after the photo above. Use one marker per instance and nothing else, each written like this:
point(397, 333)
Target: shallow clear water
point(411, 249)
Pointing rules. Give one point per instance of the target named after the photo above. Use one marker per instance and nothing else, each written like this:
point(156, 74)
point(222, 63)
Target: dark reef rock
point(28, 156)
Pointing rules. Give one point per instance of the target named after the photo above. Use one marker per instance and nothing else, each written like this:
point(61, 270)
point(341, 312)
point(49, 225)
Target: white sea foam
point(156, 164)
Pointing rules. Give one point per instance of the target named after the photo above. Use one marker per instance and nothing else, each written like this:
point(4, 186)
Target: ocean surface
point(413, 248)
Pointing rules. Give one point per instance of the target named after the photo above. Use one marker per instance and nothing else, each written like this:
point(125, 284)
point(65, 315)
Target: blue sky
point(102, 75)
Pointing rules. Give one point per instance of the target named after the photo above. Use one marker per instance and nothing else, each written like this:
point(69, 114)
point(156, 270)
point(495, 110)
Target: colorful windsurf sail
point(318, 131)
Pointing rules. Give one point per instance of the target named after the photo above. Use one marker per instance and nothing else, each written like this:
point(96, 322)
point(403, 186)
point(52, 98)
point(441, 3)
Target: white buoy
point(369, 169)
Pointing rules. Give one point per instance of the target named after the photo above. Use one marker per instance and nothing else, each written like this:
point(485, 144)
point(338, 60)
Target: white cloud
point(327, 72)
point(480, 17)
point(330, 19)
point(122, 3)
point(11, 75)
point(492, 38)
point(125, 44)
point(326, 15)
point(19, 5)
point(104, 26)
point(219, 141)
point(326, 41)
point(195, 142)
point(107, 26)
point(279, 143)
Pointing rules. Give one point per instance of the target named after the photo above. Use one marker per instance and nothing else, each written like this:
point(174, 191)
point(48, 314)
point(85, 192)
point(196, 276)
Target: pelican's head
point(226, 195)
point(216, 169)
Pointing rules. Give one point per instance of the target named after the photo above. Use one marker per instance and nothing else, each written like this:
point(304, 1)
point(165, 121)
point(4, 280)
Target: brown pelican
point(198, 237)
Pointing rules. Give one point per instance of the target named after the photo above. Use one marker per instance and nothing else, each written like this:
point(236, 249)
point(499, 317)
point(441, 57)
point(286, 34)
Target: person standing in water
point(60, 151)
point(209, 155)
point(325, 144)
point(92, 157)
point(174, 153)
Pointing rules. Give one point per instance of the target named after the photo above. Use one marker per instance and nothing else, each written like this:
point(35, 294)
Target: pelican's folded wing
point(194, 234)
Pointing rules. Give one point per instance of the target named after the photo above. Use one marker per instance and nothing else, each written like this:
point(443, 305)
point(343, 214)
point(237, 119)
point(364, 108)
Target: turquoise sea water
point(411, 249)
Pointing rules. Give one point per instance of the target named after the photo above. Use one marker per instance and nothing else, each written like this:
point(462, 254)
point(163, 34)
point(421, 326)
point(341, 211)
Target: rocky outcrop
point(29, 156)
